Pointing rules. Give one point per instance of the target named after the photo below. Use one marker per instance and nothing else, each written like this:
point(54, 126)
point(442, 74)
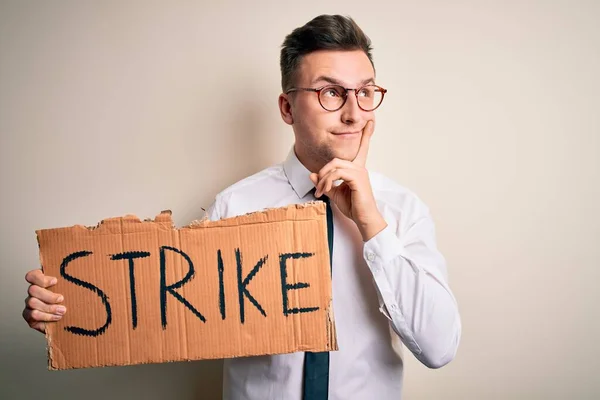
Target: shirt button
point(370, 256)
point(394, 308)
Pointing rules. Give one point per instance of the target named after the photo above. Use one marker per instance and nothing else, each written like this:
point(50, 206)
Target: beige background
point(492, 118)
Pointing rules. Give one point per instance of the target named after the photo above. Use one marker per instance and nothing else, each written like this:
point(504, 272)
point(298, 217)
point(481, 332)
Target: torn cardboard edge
point(64, 347)
point(165, 217)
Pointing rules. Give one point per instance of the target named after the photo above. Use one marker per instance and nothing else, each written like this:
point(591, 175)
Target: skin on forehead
point(350, 69)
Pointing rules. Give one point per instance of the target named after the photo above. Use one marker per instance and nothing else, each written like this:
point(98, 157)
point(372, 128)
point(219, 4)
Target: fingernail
point(60, 299)
point(56, 317)
point(61, 310)
point(53, 281)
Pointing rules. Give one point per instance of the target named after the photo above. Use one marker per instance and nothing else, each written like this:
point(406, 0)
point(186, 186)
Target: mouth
point(346, 134)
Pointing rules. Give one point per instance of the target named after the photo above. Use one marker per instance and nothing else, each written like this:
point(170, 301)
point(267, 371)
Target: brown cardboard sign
point(146, 292)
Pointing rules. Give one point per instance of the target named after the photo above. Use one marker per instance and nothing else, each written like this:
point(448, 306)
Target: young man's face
point(323, 135)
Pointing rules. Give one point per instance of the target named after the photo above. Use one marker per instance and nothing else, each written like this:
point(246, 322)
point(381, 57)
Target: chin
point(346, 154)
point(328, 153)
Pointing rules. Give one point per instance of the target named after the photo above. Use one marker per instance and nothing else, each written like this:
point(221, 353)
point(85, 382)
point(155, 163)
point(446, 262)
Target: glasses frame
point(356, 90)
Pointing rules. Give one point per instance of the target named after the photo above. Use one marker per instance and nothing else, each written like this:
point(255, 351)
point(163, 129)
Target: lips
point(346, 133)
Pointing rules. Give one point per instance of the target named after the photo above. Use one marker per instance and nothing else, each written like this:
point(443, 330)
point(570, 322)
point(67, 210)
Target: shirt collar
point(298, 175)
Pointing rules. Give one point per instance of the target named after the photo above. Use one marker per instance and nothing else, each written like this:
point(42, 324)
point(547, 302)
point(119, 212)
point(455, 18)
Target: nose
point(351, 111)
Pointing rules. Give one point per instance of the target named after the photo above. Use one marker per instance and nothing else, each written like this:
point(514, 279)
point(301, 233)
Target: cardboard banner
point(145, 292)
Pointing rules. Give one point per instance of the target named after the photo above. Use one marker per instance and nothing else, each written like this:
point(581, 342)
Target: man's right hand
point(42, 305)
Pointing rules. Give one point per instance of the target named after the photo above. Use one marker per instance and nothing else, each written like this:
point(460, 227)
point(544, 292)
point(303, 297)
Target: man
point(389, 280)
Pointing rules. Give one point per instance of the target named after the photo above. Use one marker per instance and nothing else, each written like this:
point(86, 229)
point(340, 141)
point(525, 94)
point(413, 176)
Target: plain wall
point(492, 118)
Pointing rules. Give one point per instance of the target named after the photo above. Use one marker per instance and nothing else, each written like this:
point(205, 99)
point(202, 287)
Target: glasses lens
point(332, 97)
point(369, 97)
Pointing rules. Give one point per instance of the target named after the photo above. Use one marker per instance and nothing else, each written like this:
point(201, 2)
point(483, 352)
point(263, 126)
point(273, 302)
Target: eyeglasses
point(333, 97)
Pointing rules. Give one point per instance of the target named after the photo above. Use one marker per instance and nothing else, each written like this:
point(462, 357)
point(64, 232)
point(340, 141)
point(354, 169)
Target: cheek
point(314, 122)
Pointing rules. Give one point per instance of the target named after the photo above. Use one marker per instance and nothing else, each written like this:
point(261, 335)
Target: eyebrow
point(334, 81)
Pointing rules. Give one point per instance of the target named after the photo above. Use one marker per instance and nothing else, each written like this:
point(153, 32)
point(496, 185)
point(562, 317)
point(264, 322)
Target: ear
point(285, 108)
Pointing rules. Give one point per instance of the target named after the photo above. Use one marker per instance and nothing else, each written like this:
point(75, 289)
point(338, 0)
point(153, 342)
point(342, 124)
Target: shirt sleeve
point(410, 275)
point(213, 213)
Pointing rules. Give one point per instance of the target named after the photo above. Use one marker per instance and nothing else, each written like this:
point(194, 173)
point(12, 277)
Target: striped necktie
point(316, 365)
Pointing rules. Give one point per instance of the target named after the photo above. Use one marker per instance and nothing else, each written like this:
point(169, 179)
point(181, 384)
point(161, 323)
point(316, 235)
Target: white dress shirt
point(388, 291)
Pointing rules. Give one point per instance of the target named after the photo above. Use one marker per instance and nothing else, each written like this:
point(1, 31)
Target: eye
point(331, 92)
point(366, 92)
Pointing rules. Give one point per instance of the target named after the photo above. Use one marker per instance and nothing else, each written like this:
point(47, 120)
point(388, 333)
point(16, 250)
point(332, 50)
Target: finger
point(320, 188)
point(331, 178)
point(34, 303)
point(336, 163)
point(363, 150)
point(323, 184)
point(45, 295)
point(37, 277)
point(314, 178)
point(330, 182)
point(33, 316)
point(37, 325)
point(327, 183)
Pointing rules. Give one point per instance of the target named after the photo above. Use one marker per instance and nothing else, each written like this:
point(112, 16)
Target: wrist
point(372, 227)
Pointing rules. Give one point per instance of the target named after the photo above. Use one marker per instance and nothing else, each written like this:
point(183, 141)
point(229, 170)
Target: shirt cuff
point(383, 247)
